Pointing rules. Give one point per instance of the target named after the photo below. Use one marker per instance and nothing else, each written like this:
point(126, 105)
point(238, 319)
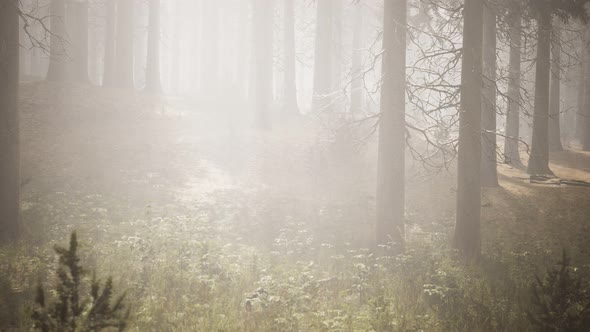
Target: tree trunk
point(57, 68)
point(124, 45)
point(264, 62)
point(9, 121)
point(290, 59)
point(511, 150)
point(109, 70)
point(209, 46)
point(489, 174)
point(555, 94)
point(337, 11)
point(581, 90)
point(356, 86)
point(77, 24)
point(153, 82)
point(391, 151)
point(322, 69)
point(539, 159)
point(467, 229)
point(586, 115)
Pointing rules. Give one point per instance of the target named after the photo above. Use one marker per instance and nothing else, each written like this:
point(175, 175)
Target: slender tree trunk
point(109, 69)
point(555, 93)
point(356, 86)
point(337, 10)
point(322, 69)
point(489, 174)
point(210, 32)
point(153, 81)
point(511, 149)
point(391, 152)
point(9, 121)
point(77, 23)
point(175, 70)
point(290, 60)
point(22, 56)
point(586, 115)
point(539, 159)
point(124, 45)
point(57, 57)
point(263, 56)
point(581, 90)
point(467, 229)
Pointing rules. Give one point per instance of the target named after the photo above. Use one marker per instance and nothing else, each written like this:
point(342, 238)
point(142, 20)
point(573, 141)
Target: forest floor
point(155, 186)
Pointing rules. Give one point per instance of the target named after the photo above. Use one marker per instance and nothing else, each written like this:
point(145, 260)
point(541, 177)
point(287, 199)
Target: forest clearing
point(289, 165)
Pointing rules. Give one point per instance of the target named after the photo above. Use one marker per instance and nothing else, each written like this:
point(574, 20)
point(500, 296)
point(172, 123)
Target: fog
point(294, 165)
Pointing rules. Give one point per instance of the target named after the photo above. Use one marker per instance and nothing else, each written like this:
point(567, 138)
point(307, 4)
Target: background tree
point(467, 229)
point(322, 68)
point(77, 31)
point(489, 174)
point(124, 44)
point(57, 57)
point(108, 77)
point(290, 59)
point(153, 83)
point(263, 56)
point(9, 120)
point(555, 93)
point(511, 150)
point(392, 122)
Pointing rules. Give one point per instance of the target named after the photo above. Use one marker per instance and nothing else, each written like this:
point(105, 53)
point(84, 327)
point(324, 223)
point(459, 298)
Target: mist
point(294, 165)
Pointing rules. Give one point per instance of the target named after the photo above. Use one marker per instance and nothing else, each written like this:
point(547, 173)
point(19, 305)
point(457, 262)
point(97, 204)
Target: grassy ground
point(210, 226)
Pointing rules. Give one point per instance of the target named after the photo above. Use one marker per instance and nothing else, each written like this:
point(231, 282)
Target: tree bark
point(391, 151)
point(153, 80)
point(585, 117)
point(124, 45)
point(263, 62)
point(57, 68)
point(109, 69)
point(290, 59)
point(555, 93)
point(581, 89)
point(489, 174)
point(9, 121)
point(539, 159)
point(322, 69)
point(511, 143)
point(467, 239)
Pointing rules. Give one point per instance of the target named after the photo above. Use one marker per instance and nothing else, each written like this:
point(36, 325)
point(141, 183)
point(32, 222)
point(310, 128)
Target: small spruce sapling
point(71, 312)
point(559, 301)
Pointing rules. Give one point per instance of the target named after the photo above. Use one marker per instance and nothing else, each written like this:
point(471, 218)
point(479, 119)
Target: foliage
point(560, 302)
point(70, 311)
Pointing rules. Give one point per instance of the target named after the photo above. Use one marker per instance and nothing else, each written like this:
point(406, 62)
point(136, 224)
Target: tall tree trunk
point(57, 57)
point(322, 68)
point(586, 115)
point(109, 69)
point(356, 86)
point(77, 23)
point(391, 151)
point(175, 66)
point(467, 229)
point(337, 10)
point(489, 174)
point(290, 59)
point(9, 121)
point(581, 90)
point(264, 62)
point(539, 159)
point(210, 32)
point(124, 45)
point(511, 150)
point(153, 81)
point(555, 93)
